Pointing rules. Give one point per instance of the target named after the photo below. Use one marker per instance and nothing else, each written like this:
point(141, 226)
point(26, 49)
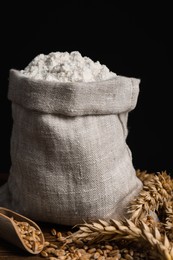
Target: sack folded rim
point(112, 96)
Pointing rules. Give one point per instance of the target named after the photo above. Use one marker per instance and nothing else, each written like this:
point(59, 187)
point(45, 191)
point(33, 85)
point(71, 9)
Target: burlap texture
point(70, 159)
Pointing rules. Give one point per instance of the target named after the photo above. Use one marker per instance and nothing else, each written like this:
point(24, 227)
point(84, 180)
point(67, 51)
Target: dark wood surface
point(11, 252)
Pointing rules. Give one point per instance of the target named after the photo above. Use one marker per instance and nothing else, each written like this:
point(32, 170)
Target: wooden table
point(11, 252)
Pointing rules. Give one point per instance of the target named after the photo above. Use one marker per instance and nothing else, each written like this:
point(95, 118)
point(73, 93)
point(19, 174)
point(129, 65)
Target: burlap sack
point(70, 159)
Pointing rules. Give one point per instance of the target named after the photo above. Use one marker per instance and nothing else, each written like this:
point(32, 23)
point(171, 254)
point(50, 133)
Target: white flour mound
point(66, 67)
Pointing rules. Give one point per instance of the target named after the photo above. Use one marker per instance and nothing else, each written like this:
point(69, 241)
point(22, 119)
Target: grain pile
point(30, 236)
point(139, 237)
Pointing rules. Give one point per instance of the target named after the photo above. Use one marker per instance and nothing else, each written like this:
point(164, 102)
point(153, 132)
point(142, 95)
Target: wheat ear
point(114, 230)
point(156, 192)
point(156, 196)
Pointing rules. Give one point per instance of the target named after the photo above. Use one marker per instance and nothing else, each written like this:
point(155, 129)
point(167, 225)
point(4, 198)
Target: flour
point(66, 67)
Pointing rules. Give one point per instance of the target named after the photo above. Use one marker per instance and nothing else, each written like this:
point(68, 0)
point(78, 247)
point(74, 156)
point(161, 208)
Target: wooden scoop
point(9, 230)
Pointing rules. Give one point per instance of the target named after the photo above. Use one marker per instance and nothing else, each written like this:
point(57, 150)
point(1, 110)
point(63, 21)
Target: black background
point(132, 40)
